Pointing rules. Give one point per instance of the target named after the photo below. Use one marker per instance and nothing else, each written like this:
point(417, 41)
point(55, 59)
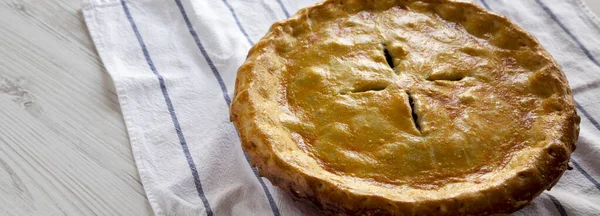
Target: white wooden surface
point(63, 145)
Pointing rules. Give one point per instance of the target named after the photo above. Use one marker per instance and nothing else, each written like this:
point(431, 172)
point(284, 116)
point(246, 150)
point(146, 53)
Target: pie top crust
point(405, 107)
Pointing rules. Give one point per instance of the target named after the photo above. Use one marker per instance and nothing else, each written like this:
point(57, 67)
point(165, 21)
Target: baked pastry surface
point(434, 107)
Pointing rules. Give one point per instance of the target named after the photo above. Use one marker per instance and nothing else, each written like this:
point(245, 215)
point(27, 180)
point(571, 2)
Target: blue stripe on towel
point(558, 205)
point(485, 4)
point(225, 95)
point(237, 22)
point(165, 93)
point(571, 35)
point(285, 11)
point(586, 174)
point(588, 116)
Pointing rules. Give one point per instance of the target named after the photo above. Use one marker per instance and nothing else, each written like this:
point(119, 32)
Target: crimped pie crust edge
point(258, 135)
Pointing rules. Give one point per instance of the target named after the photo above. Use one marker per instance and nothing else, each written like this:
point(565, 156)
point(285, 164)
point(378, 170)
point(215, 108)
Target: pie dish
point(432, 107)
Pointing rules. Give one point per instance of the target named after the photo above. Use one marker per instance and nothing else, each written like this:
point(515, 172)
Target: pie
point(431, 107)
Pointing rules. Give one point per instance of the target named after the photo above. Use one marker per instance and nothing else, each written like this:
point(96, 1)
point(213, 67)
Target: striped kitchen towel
point(174, 62)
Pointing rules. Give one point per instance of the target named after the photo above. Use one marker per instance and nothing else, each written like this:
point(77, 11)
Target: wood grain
point(63, 145)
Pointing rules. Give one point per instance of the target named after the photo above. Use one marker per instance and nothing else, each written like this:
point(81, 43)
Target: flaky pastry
point(383, 107)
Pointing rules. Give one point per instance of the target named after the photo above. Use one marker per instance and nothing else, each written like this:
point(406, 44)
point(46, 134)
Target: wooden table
point(63, 145)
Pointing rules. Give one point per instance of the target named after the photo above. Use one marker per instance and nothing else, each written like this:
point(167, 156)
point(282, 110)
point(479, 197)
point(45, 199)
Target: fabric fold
point(174, 62)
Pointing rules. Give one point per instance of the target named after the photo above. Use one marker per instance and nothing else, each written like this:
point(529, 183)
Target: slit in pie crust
point(434, 107)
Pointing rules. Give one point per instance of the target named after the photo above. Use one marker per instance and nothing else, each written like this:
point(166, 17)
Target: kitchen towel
point(174, 62)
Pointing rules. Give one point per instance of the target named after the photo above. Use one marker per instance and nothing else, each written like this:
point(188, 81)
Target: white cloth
point(173, 63)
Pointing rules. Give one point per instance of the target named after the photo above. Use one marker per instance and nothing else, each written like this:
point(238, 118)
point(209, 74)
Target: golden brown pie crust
point(403, 107)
